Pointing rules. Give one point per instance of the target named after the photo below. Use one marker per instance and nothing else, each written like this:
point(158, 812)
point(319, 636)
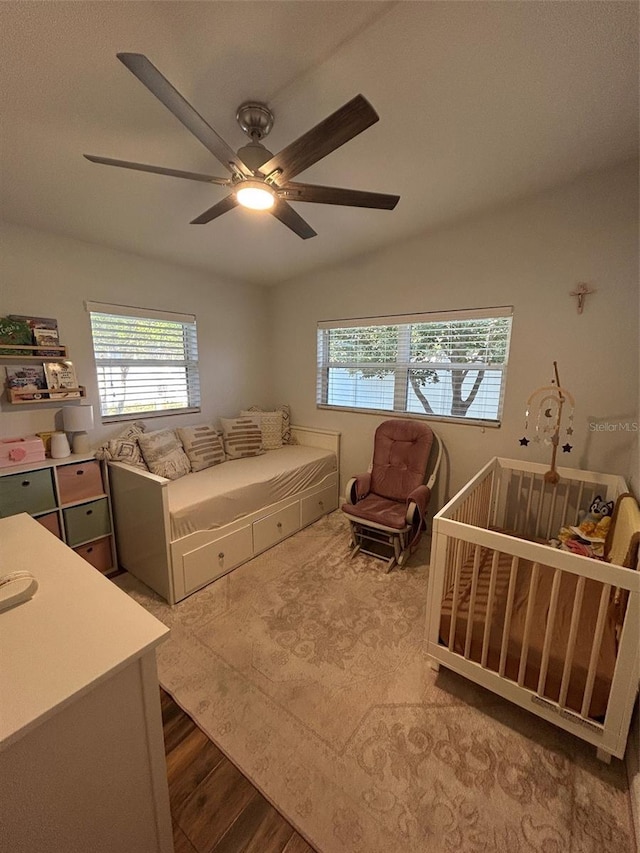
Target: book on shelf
point(61, 375)
point(44, 339)
point(28, 379)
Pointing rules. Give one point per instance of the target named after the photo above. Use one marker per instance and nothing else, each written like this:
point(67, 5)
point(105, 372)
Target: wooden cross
point(582, 290)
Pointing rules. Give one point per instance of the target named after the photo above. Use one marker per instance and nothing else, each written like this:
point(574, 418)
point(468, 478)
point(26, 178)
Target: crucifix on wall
point(581, 292)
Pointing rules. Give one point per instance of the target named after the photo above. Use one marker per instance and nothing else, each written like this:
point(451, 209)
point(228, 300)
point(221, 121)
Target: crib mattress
point(205, 500)
point(586, 627)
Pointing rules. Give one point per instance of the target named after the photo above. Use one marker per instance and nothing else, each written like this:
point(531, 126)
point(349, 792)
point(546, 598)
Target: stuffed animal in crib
point(596, 522)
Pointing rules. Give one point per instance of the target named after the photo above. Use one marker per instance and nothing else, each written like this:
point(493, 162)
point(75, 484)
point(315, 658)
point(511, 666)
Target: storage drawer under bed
point(215, 559)
point(270, 530)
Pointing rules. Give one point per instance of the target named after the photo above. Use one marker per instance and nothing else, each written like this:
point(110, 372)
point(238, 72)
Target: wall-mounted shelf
point(43, 395)
point(60, 353)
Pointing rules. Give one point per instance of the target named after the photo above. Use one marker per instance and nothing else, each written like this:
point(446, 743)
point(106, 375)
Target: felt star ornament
point(567, 448)
point(524, 441)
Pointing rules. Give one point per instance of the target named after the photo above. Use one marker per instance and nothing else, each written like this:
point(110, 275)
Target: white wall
point(528, 254)
point(50, 276)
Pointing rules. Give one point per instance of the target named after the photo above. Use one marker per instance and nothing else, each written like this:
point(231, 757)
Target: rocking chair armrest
point(358, 487)
point(418, 499)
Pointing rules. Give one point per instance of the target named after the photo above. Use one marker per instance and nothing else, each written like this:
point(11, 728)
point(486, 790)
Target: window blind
point(447, 365)
point(146, 361)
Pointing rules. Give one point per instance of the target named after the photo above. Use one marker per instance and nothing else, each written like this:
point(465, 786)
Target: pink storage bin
point(20, 451)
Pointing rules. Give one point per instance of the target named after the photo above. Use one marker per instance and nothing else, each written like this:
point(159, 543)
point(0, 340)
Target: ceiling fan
point(259, 179)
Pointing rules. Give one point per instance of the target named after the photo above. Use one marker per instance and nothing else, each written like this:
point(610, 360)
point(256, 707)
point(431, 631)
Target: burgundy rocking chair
point(386, 506)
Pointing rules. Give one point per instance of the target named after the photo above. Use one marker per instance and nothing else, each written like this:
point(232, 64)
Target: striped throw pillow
point(203, 446)
point(242, 437)
point(270, 426)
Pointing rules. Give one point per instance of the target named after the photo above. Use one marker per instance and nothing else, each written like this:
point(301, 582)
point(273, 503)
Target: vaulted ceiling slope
point(479, 102)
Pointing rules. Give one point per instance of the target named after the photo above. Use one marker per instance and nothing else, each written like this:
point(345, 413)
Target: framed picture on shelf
point(61, 375)
point(28, 379)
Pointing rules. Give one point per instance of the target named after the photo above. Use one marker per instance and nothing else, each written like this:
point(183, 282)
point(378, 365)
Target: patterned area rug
point(307, 670)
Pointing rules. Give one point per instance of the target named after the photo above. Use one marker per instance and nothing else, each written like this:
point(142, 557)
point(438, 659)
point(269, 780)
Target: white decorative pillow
point(203, 446)
point(287, 437)
point(124, 447)
point(242, 437)
point(270, 426)
point(164, 454)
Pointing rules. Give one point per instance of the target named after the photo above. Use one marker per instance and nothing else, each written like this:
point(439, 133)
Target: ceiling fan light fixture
point(256, 195)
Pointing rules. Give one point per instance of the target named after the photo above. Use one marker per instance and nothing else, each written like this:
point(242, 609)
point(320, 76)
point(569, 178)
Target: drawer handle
point(26, 482)
point(279, 525)
point(221, 555)
point(321, 504)
point(89, 512)
point(81, 471)
point(89, 550)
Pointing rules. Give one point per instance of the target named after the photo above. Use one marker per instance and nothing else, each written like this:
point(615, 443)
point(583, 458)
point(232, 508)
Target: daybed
point(179, 535)
point(553, 631)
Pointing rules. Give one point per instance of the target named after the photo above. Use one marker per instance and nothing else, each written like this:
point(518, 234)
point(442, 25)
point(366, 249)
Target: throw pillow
point(287, 437)
point(270, 426)
point(124, 447)
point(242, 437)
point(203, 446)
point(164, 454)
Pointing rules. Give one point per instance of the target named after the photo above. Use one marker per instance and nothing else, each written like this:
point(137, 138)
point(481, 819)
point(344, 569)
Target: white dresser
point(82, 764)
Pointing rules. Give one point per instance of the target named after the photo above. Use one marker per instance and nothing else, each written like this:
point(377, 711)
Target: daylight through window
point(146, 361)
point(450, 365)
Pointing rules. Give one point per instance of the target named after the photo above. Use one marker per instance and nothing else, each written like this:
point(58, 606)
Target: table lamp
point(78, 419)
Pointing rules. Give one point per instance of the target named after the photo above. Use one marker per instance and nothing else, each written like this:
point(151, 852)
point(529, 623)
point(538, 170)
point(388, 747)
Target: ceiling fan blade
point(287, 215)
point(159, 170)
point(336, 195)
point(159, 86)
point(350, 120)
point(218, 209)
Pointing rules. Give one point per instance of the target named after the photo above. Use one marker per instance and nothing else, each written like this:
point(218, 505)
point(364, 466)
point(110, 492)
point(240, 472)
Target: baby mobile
point(546, 404)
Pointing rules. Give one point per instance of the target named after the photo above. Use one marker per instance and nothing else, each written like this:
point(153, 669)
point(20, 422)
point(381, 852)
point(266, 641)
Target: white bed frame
point(513, 495)
point(176, 568)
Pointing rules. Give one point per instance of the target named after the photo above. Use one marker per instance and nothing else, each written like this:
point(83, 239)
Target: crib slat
point(495, 502)
point(528, 509)
point(456, 593)
point(551, 617)
point(472, 600)
point(595, 648)
point(516, 520)
point(536, 530)
point(513, 574)
point(533, 588)
point(579, 502)
point(571, 643)
point(489, 614)
point(565, 504)
point(552, 510)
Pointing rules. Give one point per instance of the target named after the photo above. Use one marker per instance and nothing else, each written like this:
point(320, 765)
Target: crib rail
point(550, 630)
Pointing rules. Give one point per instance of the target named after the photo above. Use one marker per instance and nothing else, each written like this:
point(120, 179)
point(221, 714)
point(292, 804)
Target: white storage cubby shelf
point(70, 498)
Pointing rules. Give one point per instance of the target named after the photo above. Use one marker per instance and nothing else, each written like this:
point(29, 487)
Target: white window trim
point(401, 369)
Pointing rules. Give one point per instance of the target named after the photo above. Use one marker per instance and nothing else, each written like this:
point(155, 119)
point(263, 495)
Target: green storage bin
point(31, 492)
point(87, 521)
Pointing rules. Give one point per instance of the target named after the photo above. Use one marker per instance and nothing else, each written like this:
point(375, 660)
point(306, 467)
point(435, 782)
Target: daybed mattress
point(224, 493)
point(586, 627)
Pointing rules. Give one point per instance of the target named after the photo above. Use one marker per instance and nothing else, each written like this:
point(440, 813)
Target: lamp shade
point(77, 418)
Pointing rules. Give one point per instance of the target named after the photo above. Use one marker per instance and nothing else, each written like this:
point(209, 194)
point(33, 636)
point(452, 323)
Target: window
point(146, 361)
point(450, 365)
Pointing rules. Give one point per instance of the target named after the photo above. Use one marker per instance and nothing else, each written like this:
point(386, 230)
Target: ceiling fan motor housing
point(255, 119)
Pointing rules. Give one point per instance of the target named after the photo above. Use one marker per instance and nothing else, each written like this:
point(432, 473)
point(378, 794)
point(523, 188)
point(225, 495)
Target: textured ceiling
point(479, 102)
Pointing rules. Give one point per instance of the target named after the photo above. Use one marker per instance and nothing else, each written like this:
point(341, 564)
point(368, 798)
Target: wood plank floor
point(214, 808)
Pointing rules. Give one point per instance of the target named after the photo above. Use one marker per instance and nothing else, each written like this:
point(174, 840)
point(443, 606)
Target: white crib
point(555, 632)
